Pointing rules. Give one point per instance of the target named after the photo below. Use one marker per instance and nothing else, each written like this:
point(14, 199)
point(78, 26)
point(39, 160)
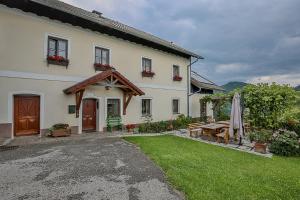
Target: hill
point(233, 85)
point(297, 88)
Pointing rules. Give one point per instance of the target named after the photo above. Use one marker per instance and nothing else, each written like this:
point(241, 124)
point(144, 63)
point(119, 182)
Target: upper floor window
point(113, 108)
point(57, 51)
point(101, 56)
point(146, 107)
point(176, 73)
point(175, 106)
point(147, 64)
point(147, 67)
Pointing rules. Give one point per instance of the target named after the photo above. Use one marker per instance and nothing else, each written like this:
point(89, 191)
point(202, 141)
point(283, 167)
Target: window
point(175, 106)
point(113, 107)
point(146, 107)
point(57, 47)
point(176, 71)
point(101, 56)
point(147, 65)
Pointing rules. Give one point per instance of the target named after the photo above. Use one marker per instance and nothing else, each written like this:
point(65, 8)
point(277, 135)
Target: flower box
point(147, 74)
point(177, 78)
point(60, 130)
point(61, 133)
point(57, 60)
point(101, 67)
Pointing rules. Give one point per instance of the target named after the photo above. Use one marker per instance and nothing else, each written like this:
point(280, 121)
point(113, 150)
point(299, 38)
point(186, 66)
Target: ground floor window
point(175, 106)
point(146, 107)
point(113, 107)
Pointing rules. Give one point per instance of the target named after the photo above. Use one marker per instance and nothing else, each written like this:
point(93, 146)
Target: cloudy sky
point(248, 40)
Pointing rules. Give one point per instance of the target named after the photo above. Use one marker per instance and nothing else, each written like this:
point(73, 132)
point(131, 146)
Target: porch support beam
point(78, 96)
point(126, 99)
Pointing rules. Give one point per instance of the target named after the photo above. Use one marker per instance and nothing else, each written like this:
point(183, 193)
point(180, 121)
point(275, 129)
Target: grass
point(204, 171)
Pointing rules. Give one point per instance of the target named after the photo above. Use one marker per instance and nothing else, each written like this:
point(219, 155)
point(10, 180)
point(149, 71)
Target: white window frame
point(178, 106)
point(121, 106)
point(142, 63)
point(102, 47)
point(47, 35)
point(173, 70)
point(151, 112)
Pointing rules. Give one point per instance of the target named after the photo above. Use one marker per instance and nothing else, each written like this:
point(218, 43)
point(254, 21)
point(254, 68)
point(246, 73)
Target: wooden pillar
point(126, 101)
point(78, 96)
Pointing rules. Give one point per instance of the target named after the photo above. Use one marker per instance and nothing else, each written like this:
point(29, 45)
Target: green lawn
point(204, 171)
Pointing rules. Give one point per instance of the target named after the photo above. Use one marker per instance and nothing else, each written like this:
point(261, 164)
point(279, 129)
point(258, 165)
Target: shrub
point(292, 127)
point(268, 103)
point(60, 126)
point(260, 136)
point(162, 126)
point(285, 143)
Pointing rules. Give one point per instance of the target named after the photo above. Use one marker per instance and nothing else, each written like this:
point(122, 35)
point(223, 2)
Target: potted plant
point(58, 60)
point(147, 74)
point(102, 67)
point(60, 130)
point(261, 138)
point(130, 127)
point(177, 78)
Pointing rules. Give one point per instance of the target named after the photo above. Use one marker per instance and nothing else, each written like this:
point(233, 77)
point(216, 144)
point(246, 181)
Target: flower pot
point(100, 67)
point(260, 147)
point(60, 132)
point(62, 62)
point(177, 78)
point(148, 74)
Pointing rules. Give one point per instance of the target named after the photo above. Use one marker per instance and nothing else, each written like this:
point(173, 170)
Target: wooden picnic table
point(212, 129)
point(224, 122)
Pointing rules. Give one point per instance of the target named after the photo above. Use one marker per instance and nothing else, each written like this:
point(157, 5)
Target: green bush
point(268, 103)
point(285, 143)
point(295, 127)
point(157, 127)
point(260, 136)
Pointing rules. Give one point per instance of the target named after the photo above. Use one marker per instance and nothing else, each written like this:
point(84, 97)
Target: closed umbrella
point(236, 117)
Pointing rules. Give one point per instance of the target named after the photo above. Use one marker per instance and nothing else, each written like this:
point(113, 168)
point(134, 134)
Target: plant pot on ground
point(60, 130)
point(261, 138)
point(130, 127)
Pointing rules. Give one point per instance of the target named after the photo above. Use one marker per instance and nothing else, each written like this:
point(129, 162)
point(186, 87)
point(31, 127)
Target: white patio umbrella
point(236, 117)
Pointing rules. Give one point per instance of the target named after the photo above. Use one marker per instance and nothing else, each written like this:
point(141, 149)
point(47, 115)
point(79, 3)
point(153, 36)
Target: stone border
point(229, 146)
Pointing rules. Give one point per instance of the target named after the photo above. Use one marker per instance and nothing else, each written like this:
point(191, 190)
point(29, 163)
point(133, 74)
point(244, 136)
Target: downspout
point(189, 72)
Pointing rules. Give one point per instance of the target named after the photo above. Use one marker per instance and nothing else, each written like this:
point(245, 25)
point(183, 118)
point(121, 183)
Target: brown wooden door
point(89, 115)
point(26, 115)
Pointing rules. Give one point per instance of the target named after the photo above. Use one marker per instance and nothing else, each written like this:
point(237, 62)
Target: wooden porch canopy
point(108, 79)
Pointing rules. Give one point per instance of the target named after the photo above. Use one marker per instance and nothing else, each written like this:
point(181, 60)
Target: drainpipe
point(189, 67)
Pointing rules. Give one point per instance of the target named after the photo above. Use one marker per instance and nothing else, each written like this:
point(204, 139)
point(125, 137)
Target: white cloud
point(291, 79)
point(231, 67)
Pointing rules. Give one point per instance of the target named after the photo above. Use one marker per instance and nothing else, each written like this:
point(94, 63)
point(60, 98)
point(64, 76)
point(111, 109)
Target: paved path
point(89, 168)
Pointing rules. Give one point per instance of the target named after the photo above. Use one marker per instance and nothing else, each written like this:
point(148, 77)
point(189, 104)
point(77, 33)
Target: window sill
point(148, 74)
point(146, 116)
point(177, 78)
point(100, 67)
point(58, 62)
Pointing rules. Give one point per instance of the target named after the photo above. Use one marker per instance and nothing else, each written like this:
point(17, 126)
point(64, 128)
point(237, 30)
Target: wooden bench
point(194, 129)
point(114, 122)
point(224, 134)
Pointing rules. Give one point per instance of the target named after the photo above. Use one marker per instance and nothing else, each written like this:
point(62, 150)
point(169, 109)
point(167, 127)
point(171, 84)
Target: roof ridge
point(204, 78)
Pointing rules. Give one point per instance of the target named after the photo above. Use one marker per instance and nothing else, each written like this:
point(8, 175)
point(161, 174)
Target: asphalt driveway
point(89, 168)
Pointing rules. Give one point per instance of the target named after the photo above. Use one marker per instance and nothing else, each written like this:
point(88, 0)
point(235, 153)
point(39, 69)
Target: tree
point(267, 103)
